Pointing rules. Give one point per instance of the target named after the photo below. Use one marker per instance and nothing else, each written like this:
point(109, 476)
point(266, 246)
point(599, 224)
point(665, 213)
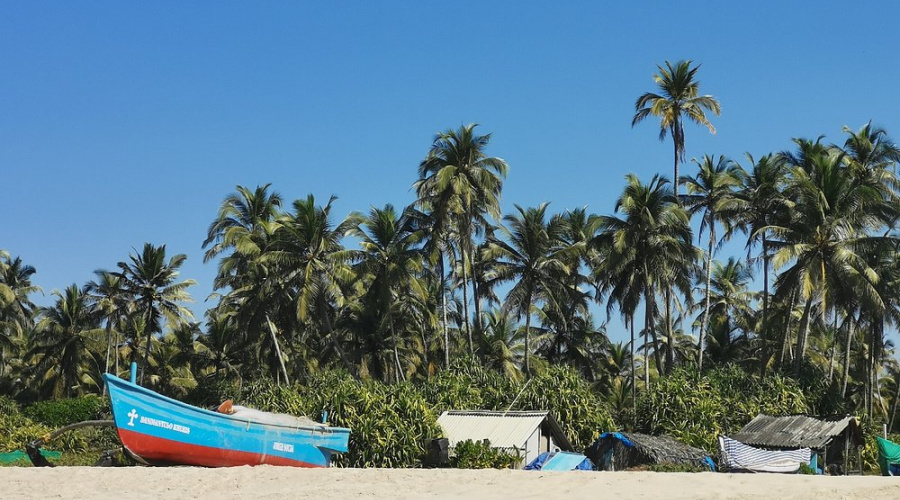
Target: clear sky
point(129, 122)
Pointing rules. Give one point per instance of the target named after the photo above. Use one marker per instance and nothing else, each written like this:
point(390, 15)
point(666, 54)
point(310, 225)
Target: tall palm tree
point(389, 264)
point(152, 282)
point(64, 346)
point(462, 184)
point(532, 255)
point(502, 344)
point(824, 240)
point(711, 193)
point(760, 203)
point(310, 259)
point(109, 299)
point(647, 251)
point(678, 97)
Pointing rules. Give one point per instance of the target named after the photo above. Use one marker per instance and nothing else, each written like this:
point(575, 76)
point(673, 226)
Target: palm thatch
point(620, 450)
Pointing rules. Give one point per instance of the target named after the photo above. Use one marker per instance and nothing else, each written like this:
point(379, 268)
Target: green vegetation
point(480, 455)
point(389, 316)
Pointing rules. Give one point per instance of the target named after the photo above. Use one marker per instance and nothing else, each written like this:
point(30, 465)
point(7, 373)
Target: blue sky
point(128, 122)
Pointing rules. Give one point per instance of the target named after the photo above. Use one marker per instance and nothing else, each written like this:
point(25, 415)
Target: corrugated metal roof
point(796, 431)
point(504, 429)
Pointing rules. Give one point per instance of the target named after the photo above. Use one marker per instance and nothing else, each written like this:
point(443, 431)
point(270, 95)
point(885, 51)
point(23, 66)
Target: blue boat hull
point(161, 430)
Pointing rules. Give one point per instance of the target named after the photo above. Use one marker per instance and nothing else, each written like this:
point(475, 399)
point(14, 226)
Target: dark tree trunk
point(528, 338)
point(633, 369)
point(465, 289)
point(444, 310)
point(670, 333)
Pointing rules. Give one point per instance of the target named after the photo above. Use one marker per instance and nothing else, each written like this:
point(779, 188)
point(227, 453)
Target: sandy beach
point(135, 483)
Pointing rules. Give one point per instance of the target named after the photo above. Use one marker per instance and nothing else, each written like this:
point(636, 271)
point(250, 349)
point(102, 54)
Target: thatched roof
point(659, 449)
point(797, 431)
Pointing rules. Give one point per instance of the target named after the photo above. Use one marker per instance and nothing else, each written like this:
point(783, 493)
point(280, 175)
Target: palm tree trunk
point(646, 353)
point(528, 337)
point(786, 334)
point(633, 369)
point(834, 344)
point(149, 327)
point(850, 324)
point(802, 336)
point(670, 333)
point(108, 349)
point(444, 311)
point(400, 374)
point(329, 330)
point(764, 330)
point(705, 321)
point(465, 286)
point(475, 297)
point(675, 181)
point(277, 350)
point(650, 313)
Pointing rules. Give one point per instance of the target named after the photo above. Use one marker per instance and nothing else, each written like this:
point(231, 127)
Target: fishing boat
point(157, 430)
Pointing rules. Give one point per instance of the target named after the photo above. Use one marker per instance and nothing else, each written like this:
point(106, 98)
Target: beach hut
point(834, 439)
point(526, 433)
point(620, 450)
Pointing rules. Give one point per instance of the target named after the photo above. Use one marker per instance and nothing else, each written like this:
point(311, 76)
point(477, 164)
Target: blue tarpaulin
point(561, 460)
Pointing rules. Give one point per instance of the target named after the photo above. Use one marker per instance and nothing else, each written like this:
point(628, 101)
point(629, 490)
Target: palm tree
point(502, 344)
point(151, 281)
point(825, 238)
point(678, 98)
point(461, 185)
point(759, 203)
point(532, 255)
point(108, 298)
point(389, 264)
point(243, 225)
point(647, 251)
point(310, 259)
point(64, 346)
point(711, 193)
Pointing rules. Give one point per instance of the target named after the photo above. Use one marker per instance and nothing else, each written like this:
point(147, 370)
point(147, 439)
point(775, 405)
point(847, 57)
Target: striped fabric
point(737, 455)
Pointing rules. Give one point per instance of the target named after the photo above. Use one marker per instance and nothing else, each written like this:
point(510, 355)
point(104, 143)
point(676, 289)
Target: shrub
point(697, 408)
point(565, 393)
point(61, 412)
point(389, 423)
point(470, 454)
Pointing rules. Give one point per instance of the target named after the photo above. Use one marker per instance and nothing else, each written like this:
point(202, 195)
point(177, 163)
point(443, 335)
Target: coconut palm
point(646, 251)
point(310, 259)
point(759, 204)
point(502, 344)
point(110, 299)
point(823, 243)
point(66, 342)
point(389, 264)
point(531, 255)
point(462, 184)
point(243, 225)
point(152, 282)
point(711, 193)
point(678, 98)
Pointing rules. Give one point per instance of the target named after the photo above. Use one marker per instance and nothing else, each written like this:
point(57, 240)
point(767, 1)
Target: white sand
point(257, 483)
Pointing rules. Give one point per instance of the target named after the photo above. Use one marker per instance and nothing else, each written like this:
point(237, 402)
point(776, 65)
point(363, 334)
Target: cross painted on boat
point(131, 416)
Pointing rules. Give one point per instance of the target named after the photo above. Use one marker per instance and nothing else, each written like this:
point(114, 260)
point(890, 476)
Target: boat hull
point(163, 431)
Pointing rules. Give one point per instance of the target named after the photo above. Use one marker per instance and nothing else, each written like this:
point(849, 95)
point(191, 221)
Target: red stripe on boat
point(165, 451)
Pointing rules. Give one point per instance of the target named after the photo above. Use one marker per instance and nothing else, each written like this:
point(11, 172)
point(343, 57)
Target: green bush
point(696, 409)
point(470, 454)
point(389, 423)
point(61, 412)
point(565, 393)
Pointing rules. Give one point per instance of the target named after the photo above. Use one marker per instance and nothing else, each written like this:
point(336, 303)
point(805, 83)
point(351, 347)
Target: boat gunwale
point(324, 429)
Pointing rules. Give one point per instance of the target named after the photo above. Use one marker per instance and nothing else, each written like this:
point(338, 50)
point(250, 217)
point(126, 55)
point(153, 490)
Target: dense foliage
point(392, 315)
point(479, 455)
point(697, 409)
